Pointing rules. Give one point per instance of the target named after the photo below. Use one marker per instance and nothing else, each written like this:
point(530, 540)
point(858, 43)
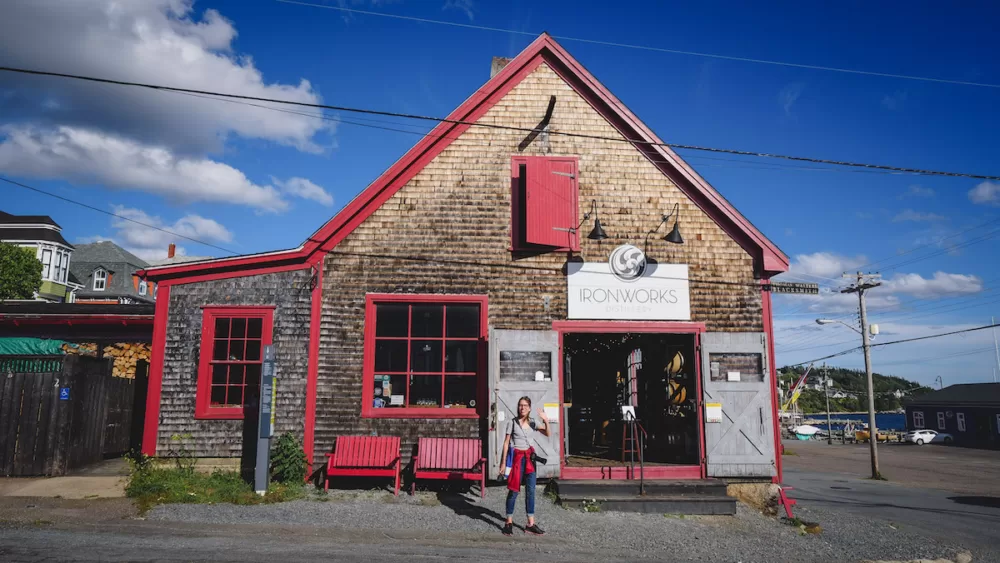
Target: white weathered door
point(517, 357)
point(735, 375)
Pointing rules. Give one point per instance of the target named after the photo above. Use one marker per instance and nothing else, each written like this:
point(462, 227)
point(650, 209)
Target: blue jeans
point(529, 492)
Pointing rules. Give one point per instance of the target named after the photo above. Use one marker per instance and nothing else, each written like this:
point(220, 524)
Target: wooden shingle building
point(541, 242)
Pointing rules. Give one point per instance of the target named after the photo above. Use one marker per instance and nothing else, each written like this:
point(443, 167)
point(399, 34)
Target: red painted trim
point(203, 407)
point(767, 310)
point(312, 378)
point(671, 327)
point(534, 167)
point(80, 320)
point(624, 472)
point(368, 377)
point(700, 405)
point(154, 391)
point(543, 49)
point(562, 406)
point(629, 326)
point(239, 273)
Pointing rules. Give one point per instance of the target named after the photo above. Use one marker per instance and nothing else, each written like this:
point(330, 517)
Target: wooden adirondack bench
point(364, 456)
point(450, 458)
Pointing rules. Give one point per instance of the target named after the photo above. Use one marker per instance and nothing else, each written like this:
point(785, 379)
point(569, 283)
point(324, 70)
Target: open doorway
point(655, 373)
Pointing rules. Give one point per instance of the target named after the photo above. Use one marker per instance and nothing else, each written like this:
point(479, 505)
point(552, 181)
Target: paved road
point(951, 494)
point(963, 519)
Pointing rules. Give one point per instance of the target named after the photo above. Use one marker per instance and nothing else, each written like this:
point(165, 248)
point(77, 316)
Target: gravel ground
point(747, 537)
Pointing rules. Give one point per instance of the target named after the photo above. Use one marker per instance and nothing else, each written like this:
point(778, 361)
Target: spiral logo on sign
point(627, 262)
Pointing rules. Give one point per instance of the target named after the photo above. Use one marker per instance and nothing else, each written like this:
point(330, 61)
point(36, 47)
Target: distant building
point(107, 272)
point(43, 235)
point(970, 412)
point(174, 258)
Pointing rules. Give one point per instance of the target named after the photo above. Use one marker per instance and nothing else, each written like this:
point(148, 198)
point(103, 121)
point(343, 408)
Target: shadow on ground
point(989, 502)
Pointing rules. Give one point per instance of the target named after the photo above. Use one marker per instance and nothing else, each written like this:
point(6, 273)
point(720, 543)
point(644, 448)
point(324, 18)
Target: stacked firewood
point(125, 355)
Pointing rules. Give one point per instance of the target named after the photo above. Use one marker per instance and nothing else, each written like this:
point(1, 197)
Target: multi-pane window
point(232, 351)
point(424, 356)
point(64, 269)
point(57, 271)
point(918, 419)
point(941, 422)
point(100, 280)
point(143, 287)
point(960, 417)
point(46, 264)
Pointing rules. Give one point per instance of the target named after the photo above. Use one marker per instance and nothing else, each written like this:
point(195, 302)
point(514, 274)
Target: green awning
point(16, 346)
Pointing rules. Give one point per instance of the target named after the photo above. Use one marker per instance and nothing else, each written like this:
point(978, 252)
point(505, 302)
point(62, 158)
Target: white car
point(921, 437)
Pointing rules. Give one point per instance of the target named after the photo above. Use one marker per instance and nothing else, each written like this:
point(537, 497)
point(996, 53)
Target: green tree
point(20, 272)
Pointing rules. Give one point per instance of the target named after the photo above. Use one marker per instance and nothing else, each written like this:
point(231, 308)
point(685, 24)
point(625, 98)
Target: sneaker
point(534, 529)
point(508, 529)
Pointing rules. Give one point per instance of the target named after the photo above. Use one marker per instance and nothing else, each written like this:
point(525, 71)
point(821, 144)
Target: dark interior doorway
point(653, 372)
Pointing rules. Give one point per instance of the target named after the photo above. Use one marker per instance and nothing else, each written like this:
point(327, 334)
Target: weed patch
point(803, 526)
point(153, 486)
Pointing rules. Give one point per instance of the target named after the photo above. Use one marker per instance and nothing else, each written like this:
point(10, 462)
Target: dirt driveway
point(961, 470)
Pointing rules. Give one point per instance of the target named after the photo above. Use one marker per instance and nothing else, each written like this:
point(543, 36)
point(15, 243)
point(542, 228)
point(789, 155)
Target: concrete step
point(653, 488)
point(656, 505)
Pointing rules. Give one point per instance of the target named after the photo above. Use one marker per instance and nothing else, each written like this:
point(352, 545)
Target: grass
point(788, 451)
point(803, 526)
point(152, 486)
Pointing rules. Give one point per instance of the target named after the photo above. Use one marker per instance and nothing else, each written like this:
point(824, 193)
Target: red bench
point(364, 456)
point(450, 458)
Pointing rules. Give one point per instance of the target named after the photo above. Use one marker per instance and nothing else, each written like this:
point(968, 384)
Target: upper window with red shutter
point(544, 203)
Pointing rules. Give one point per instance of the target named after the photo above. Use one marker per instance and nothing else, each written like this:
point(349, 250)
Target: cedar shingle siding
point(458, 209)
point(289, 291)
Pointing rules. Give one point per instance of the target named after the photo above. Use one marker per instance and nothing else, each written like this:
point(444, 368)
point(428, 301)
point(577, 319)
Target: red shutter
point(551, 206)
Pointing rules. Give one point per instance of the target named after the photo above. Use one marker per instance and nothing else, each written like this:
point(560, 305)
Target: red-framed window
point(425, 356)
point(544, 203)
point(232, 351)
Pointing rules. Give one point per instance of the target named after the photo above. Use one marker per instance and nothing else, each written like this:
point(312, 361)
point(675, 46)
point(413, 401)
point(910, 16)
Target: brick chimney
point(497, 65)
point(171, 250)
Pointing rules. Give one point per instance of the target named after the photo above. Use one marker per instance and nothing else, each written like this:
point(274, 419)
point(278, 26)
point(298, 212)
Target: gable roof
point(769, 258)
point(961, 394)
point(106, 252)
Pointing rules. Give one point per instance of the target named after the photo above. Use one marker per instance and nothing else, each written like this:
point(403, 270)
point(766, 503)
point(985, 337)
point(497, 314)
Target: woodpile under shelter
point(540, 242)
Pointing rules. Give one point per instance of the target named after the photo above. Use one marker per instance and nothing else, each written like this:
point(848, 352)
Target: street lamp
point(872, 427)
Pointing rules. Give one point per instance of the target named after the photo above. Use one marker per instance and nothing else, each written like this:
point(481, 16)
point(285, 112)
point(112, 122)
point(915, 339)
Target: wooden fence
point(58, 413)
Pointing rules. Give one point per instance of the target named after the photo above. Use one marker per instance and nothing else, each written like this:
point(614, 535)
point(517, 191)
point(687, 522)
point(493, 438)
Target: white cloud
point(152, 41)
point(986, 193)
point(824, 264)
point(151, 244)
point(911, 215)
point(89, 156)
point(918, 191)
point(941, 285)
point(789, 95)
point(305, 189)
point(464, 6)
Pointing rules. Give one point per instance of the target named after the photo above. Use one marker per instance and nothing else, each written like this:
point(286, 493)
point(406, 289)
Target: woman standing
point(520, 436)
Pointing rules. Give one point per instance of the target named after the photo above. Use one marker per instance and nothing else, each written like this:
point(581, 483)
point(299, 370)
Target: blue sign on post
point(64, 393)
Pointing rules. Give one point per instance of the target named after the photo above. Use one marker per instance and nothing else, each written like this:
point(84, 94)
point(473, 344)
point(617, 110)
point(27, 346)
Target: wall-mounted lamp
point(674, 235)
point(598, 231)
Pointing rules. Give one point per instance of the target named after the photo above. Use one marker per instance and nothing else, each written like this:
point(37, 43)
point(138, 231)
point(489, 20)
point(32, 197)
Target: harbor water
point(884, 420)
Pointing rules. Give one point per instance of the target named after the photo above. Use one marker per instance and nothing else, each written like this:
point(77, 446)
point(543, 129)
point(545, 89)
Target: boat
point(805, 431)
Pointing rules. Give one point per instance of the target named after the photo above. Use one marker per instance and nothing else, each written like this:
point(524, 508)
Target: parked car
point(921, 437)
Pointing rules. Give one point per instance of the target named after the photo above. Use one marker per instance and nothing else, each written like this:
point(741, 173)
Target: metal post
point(996, 348)
point(826, 391)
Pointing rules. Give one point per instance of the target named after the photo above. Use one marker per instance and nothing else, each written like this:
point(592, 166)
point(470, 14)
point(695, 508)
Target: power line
point(503, 127)
point(649, 48)
point(99, 210)
point(939, 241)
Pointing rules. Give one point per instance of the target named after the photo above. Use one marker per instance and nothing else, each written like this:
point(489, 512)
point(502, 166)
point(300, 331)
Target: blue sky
point(272, 178)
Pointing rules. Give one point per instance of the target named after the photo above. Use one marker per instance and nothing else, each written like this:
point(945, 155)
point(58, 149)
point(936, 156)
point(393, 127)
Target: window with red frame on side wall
point(544, 203)
point(424, 356)
point(232, 352)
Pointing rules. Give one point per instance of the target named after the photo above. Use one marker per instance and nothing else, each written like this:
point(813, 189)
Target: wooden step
point(692, 488)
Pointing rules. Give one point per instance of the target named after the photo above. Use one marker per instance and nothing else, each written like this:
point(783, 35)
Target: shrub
point(288, 461)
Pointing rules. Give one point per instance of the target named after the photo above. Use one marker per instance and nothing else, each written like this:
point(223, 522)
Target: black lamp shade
point(598, 232)
point(674, 235)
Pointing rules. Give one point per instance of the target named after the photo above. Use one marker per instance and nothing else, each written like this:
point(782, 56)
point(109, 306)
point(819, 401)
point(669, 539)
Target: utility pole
point(996, 348)
point(864, 283)
point(826, 391)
